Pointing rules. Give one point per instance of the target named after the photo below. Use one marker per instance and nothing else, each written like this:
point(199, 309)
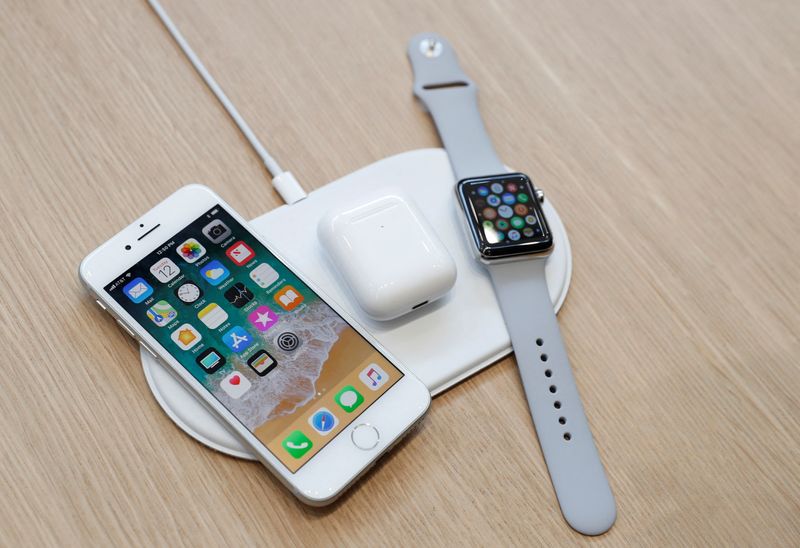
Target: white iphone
point(313, 394)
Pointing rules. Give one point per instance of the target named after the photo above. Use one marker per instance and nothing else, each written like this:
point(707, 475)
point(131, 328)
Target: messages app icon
point(348, 398)
point(214, 272)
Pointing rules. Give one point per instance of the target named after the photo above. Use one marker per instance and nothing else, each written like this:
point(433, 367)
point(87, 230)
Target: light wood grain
point(666, 134)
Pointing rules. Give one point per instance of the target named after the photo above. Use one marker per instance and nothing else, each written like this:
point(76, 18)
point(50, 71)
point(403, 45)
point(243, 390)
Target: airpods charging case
point(387, 254)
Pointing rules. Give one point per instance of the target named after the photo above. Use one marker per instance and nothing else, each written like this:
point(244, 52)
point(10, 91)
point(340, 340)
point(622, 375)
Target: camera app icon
point(216, 231)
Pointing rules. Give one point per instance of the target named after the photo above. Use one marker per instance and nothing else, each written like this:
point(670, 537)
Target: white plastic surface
point(442, 343)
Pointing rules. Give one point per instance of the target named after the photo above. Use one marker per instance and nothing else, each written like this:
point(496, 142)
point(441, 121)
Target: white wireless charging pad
point(441, 343)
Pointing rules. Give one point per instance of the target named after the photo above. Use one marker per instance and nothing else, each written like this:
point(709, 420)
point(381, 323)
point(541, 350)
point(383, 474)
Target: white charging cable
point(283, 181)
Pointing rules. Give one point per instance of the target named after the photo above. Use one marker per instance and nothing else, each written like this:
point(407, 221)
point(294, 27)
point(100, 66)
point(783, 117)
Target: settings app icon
point(287, 341)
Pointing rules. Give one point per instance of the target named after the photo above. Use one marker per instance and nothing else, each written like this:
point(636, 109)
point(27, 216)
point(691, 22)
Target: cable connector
point(288, 187)
point(283, 181)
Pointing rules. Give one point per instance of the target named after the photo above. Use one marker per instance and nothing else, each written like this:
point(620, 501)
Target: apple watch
point(509, 234)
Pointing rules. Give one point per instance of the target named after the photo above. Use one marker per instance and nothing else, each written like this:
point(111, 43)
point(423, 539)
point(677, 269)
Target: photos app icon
point(191, 250)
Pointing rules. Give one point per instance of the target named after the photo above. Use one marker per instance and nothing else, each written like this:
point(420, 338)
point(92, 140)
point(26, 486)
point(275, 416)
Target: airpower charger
point(388, 255)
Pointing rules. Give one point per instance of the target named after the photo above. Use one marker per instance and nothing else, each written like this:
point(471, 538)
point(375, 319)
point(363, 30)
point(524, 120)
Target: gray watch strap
point(452, 99)
point(576, 471)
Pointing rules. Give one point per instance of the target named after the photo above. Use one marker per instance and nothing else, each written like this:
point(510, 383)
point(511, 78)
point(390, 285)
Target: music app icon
point(373, 376)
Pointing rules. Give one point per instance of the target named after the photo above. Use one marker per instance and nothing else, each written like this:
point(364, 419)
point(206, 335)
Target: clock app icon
point(188, 292)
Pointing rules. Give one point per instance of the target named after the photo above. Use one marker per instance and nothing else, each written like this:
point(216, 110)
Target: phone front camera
point(127, 247)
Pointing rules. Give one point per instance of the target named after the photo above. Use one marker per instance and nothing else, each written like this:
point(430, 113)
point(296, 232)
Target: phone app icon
point(238, 295)
point(214, 272)
point(164, 270)
point(216, 231)
point(191, 250)
point(186, 336)
point(323, 421)
point(188, 292)
point(240, 253)
point(348, 398)
point(297, 444)
point(237, 339)
point(137, 290)
point(262, 318)
point(373, 376)
point(210, 360)
point(235, 385)
point(262, 363)
point(162, 313)
point(264, 275)
point(213, 316)
point(288, 297)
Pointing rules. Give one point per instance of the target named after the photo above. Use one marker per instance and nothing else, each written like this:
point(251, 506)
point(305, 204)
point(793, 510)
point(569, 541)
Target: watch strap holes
point(446, 85)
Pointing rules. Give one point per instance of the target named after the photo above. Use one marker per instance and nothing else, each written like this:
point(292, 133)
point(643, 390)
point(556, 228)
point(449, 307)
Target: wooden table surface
point(666, 134)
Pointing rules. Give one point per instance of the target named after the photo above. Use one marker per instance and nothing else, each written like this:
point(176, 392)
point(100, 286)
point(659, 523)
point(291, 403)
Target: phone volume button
point(149, 350)
point(100, 304)
point(126, 329)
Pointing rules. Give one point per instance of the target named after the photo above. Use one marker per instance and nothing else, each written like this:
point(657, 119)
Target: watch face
point(504, 216)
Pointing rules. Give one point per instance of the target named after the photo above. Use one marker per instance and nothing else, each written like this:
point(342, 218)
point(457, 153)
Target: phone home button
point(365, 436)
